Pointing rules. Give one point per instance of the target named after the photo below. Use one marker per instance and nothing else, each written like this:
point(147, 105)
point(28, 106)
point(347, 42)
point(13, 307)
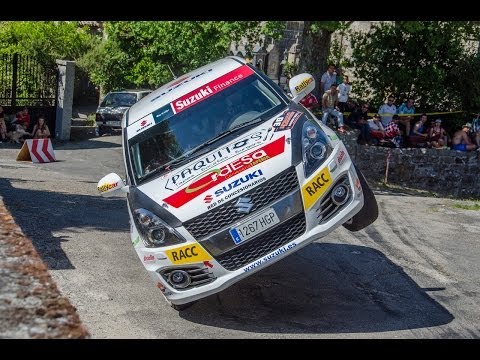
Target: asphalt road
point(414, 273)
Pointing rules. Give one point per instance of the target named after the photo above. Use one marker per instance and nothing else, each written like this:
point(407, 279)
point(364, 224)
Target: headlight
point(154, 232)
point(316, 147)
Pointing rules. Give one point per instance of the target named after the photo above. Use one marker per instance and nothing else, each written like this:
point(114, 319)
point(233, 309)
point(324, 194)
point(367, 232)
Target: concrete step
point(79, 122)
point(79, 132)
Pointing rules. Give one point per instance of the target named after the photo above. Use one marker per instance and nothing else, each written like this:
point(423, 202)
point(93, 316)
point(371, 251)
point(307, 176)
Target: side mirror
point(111, 184)
point(301, 85)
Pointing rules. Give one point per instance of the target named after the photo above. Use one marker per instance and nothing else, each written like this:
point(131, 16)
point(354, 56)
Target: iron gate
point(26, 81)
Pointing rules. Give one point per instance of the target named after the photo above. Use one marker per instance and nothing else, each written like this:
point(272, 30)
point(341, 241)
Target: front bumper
point(300, 224)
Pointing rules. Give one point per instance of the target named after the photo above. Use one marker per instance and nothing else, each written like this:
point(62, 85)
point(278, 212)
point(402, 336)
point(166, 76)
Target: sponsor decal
point(162, 114)
point(358, 184)
point(341, 157)
point(140, 125)
point(208, 199)
point(211, 88)
point(136, 241)
point(160, 286)
point(218, 176)
point(188, 254)
point(313, 189)
point(208, 264)
point(180, 82)
point(106, 187)
point(238, 182)
point(269, 257)
point(333, 137)
point(303, 84)
point(241, 145)
point(286, 121)
point(148, 258)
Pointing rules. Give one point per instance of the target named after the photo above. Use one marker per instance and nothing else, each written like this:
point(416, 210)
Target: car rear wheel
point(369, 212)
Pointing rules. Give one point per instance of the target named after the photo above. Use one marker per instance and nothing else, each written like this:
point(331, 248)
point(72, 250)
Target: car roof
point(130, 91)
point(181, 86)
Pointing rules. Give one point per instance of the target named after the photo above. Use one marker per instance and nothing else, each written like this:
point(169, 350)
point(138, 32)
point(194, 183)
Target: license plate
point(254, 226)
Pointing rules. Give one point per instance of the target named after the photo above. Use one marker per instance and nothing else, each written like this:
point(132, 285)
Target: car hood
point(228, 171)
point(112, 109)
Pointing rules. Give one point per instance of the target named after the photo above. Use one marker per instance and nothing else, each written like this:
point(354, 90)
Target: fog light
point(179, 279)
point(340, 194)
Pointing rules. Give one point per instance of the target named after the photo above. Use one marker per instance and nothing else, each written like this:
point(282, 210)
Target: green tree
point(419, 59)
point(316, 47)
point(46, 40)
point(145, 53)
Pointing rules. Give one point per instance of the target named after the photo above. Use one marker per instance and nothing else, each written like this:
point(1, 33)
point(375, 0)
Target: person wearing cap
point(437, 136)
point(461, 141)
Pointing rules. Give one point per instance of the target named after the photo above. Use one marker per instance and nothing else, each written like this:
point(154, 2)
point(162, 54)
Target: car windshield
point(176, 138)
point(119, 99)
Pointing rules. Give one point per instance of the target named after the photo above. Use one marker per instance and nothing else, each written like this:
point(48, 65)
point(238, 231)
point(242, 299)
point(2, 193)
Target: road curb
point(31, 306)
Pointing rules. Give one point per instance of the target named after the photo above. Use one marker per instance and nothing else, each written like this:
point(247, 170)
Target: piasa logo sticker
point(211, 88)
point(218, 176)
point(188, 254)
point(148, 258)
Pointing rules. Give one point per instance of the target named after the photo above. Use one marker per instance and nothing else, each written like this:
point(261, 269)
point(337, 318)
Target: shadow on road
point(103, 142)
point(323, 288)
point(41, 213)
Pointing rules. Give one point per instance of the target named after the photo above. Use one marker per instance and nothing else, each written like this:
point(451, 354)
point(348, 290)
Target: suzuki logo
point(244, 205)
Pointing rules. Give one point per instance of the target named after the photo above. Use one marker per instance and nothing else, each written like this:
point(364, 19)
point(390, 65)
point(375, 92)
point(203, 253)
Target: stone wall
point(445, 172)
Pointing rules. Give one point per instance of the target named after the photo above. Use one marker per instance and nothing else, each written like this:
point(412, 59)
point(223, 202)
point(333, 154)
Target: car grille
point(226, 214)
point(263, 244)
point(327, 208)
point(199, 276)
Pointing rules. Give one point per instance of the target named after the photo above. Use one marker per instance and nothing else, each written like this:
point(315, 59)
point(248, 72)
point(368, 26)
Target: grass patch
point(90, 120)
point(468, 206)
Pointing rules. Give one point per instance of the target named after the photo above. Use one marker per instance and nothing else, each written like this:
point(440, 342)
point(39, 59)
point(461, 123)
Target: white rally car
point(226, 175)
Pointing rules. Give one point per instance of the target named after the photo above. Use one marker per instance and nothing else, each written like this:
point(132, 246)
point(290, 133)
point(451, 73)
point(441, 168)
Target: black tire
point(181, 307)
point(369, 212)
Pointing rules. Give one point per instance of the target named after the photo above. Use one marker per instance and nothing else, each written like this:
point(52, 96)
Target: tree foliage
point(145, 53)
point(419, 59)
point(45, 40)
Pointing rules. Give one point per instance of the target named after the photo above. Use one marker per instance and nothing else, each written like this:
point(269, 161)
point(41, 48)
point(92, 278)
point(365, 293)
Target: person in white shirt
point(387, 110)
point(343, 94)
point(329, 77)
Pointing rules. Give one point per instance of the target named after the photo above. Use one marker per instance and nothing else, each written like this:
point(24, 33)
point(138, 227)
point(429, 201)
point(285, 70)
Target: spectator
point(392, 131)
point(476, 131)
point(461, 141)
point(437, 136)
point(23, 117)
point(19, 133)
point(377, 130)
point(328, 78)
point(339, 76)
point(418, 135)
point(387, 110)
point(310, 102)
point(330, 107)
point(343, 94)
point(358, 119)
point(41, 130)
point(3, 127)
point(406, 108)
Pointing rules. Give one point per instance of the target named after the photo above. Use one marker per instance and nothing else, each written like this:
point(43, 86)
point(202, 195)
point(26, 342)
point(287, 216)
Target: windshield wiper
point(187, 155)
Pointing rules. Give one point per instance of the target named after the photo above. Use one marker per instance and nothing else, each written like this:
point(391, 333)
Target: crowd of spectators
point(392, 126)
point(20, 127)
